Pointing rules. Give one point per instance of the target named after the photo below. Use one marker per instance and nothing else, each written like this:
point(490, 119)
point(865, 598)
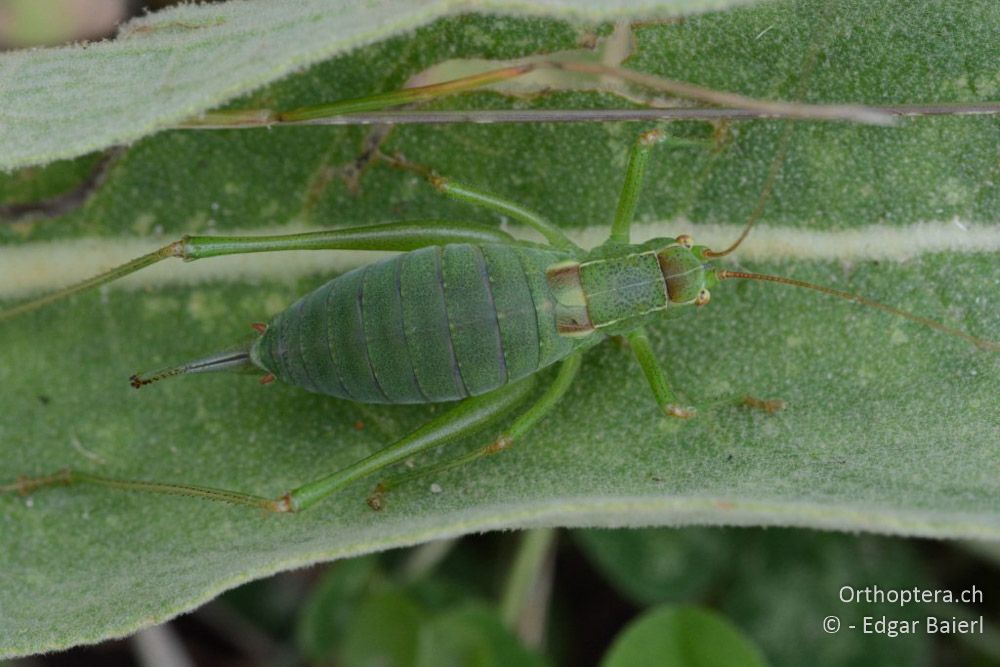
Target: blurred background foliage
point(690, 596)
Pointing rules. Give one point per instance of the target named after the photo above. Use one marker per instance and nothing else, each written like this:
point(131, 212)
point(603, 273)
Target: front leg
point(655, 376)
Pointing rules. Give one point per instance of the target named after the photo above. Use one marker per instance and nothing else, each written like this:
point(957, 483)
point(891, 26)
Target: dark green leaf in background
point(471, 636)
point(325, 617)
point(650, 565)
point(360, 616)
point(383, 630)
point(670, 636)
point(776, 585)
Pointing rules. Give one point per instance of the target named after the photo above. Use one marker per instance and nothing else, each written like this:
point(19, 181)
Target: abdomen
point(435, 324)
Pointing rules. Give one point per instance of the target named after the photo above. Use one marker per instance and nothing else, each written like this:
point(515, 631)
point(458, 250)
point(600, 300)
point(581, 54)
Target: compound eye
point(703, 297)
point(686, 241)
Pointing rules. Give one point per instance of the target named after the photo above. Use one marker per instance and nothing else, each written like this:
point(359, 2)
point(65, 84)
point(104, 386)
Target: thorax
point(613, 289)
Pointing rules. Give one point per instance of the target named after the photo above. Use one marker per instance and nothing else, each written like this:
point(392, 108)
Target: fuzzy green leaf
point(173, 64)
point(889, 427)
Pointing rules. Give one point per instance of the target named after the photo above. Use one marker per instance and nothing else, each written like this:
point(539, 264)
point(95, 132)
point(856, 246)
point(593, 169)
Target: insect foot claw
point(21, 486)
point(375, 499)
point(679, 412)
point(770, 406)
point(25, 485)
point(498, 445)
point(283, 504)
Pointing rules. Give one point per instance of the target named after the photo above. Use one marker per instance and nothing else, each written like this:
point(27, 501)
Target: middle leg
point(477, 197)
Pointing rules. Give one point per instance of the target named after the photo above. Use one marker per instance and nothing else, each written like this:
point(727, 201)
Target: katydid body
point(448, 322)
point(464, 314)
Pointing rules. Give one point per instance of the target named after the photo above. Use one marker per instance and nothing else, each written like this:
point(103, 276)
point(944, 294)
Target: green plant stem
point(525, 595)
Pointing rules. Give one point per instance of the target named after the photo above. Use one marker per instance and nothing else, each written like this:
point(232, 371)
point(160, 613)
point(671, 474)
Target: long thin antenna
point(779, 159)
point(765, 194)
point(978, 342)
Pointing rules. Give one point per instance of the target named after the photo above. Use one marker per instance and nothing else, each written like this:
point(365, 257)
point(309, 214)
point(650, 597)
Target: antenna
point(981, 343)
point(765, 194)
